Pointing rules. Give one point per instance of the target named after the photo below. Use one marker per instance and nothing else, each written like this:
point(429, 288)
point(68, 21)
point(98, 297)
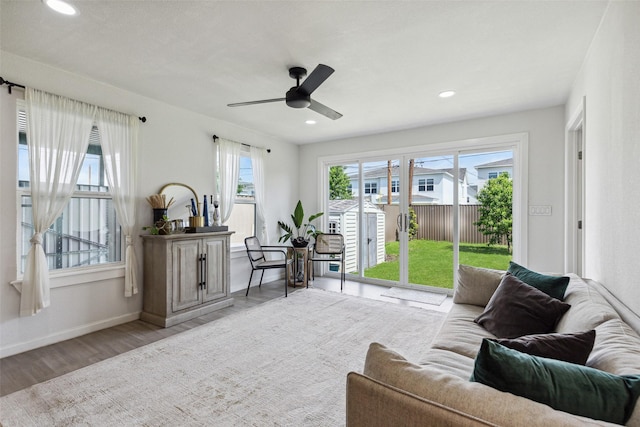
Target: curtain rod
point(215, 139)
point(12, 85)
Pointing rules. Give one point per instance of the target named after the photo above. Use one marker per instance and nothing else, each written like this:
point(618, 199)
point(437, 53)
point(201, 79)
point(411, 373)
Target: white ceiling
point(392, 58)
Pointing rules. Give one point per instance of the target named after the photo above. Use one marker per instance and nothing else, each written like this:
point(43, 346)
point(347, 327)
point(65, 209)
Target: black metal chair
point(328, 248)
point(256, 253)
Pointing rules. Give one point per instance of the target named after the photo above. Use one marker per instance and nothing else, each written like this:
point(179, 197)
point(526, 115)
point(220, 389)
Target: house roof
point(417, 171)
point(498, 163)
point(391, 58)
point(342, 206)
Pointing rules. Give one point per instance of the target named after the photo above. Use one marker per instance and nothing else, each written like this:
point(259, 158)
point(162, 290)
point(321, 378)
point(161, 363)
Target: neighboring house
point(429, 186)
point(246, 188)
point(487, 171)
point(343, 219)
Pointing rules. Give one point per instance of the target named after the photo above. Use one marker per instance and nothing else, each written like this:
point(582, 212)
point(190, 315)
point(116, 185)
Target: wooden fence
point(435, 222)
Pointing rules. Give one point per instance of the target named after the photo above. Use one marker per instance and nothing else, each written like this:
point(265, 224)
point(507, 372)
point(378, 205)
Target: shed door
point(372, 240)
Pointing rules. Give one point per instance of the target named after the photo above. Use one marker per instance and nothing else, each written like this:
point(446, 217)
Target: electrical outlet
point(540, 210)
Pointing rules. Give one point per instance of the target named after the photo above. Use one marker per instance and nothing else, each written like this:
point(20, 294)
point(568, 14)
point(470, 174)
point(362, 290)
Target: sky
point(468, 161)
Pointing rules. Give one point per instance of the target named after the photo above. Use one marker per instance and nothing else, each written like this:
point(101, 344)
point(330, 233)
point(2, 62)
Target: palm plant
point(300, 232)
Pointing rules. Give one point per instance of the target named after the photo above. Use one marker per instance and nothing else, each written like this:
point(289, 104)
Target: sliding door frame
point(518, 143)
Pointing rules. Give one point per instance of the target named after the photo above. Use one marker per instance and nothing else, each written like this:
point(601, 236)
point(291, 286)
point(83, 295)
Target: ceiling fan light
point(62, 7)
point(298, 103)
point(311, 122)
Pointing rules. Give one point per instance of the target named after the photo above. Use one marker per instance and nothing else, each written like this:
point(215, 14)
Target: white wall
point(175, 146)
point(610, 81)
point(546, 167)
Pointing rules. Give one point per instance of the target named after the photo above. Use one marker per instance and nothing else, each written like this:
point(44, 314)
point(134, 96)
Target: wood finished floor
point(32, 367)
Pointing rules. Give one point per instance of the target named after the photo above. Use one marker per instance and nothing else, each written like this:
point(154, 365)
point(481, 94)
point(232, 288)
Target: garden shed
point(344, 219)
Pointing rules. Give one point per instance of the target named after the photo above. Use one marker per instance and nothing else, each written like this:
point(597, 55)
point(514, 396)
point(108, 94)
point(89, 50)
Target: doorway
point(575, 189)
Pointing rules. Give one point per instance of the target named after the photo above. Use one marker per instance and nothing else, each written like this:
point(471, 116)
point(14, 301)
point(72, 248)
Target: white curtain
point(229, 174)
point(257, 165)
point(58, 132)
point(119, 141)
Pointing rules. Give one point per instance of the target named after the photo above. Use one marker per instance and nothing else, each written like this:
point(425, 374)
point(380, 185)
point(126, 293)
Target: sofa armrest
point(371, 403)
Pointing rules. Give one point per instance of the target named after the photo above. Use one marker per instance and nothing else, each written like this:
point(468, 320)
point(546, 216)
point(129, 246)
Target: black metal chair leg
point(249, 285)
point(286, 280)
point(261, 276)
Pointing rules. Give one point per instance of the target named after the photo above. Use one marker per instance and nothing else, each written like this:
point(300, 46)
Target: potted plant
point(300, 232)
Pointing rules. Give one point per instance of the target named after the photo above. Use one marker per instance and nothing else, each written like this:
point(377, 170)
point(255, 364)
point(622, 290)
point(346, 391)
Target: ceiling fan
point(299, 96)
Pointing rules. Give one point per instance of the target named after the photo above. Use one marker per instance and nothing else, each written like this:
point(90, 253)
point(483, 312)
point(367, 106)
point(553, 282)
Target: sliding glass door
point(410, 219)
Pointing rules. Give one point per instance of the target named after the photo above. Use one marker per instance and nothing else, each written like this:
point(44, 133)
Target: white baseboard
point(67, 334)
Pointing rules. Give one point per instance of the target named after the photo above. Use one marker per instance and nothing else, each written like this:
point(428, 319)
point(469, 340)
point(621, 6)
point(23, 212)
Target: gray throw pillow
point(476, 285)
point(517, 309)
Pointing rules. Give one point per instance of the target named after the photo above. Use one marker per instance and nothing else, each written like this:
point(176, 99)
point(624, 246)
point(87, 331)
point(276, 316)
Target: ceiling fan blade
point(324, 110)
point(315, 79)
point(264, 101)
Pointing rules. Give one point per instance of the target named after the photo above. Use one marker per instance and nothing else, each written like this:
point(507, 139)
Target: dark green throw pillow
point(554, 286)
point(567, 387)
point(571, 347)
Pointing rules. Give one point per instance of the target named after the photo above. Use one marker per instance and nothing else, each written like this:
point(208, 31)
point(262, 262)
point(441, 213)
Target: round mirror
point(181, 195)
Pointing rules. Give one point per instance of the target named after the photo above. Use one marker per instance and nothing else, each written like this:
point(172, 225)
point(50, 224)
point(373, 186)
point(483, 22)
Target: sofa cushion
point(517, 309)
point(588, 308)
point(459, 333)
point(564, 386)
point(448, 361)
point(617, 349)
point(554, 286)
point(476, 285)
point(389, 367)
point(572, 348)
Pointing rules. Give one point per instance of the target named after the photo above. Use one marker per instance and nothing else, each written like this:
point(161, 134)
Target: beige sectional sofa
point(437, 391)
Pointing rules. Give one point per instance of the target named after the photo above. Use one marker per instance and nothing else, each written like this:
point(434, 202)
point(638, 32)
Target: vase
point(159, 214)
point(205, 211)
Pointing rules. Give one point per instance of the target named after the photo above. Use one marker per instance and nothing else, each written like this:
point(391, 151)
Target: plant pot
point(159, 214)
point(299, 242)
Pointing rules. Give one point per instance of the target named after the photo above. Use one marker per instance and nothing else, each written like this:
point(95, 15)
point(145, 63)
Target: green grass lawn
point(431, 262)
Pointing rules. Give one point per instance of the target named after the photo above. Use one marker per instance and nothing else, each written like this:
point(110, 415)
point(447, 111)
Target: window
point(425, 184)
point(333, 227)
point(395, 186)
point(370, 188)
point(492, 175)
point(430, 184)
point(87, 232)
point(243, 216)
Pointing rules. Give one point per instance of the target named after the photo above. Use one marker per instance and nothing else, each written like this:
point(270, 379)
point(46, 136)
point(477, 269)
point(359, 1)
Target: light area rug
point(282, 363)
point(415, 295)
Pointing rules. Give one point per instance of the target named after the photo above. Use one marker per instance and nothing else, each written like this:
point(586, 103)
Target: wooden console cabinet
point(185, 276)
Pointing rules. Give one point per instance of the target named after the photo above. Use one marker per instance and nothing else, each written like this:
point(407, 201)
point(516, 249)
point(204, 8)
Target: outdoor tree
point(339, 184)
point(496, 215)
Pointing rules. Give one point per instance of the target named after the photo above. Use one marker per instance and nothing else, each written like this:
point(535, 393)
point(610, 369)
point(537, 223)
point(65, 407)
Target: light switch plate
point(538, 210)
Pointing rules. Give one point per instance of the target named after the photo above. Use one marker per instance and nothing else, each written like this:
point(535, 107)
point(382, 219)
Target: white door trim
point(574, 210)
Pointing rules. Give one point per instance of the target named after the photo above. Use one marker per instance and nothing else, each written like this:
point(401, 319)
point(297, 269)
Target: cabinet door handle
point(204, 270)
point(201, 274)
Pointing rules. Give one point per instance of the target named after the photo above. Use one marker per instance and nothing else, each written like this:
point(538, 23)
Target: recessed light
point(311, 122)
point(61, 7)
point(447, 94)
